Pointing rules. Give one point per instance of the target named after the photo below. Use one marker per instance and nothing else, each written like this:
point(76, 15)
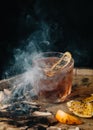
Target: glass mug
point(55, 88)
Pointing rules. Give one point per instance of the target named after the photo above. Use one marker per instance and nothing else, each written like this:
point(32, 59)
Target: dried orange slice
point(81, 109)
point(60, 64)
point(66, 118)
point(66, 57)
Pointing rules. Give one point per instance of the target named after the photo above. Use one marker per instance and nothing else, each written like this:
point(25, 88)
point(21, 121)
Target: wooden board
point(82, 87)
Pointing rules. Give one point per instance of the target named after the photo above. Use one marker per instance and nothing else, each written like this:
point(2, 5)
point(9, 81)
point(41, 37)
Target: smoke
point(39, 41)
point(26, 86)
point(24, 57)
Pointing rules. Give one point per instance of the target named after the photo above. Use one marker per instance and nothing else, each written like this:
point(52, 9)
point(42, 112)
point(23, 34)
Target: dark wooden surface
point(82, 87)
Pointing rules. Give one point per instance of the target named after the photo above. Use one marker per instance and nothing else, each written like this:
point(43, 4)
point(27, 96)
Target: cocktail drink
point(56, 81)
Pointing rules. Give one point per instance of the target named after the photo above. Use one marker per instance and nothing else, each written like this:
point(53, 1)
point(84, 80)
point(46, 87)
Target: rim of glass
point(57, 54)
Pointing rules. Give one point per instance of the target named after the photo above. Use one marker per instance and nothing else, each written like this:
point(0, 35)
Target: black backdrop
point(66, 25)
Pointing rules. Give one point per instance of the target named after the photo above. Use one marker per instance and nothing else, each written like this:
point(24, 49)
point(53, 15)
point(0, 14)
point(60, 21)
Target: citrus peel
point(66, 118)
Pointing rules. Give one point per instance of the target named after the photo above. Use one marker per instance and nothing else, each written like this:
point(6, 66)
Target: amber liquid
point(56, 88)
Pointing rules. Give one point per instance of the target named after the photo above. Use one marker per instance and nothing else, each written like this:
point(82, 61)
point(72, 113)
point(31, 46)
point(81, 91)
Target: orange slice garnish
point(60, 64)
point(66, 118)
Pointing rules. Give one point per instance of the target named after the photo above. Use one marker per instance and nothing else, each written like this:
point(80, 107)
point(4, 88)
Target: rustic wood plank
point(82, 87)
point(82, 71)
point(7, 83)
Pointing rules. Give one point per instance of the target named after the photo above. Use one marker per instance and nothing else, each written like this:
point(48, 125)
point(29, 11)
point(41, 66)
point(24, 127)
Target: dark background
point(70, 24)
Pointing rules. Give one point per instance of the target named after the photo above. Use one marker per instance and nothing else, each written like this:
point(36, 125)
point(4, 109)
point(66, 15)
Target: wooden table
point(82, 87)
